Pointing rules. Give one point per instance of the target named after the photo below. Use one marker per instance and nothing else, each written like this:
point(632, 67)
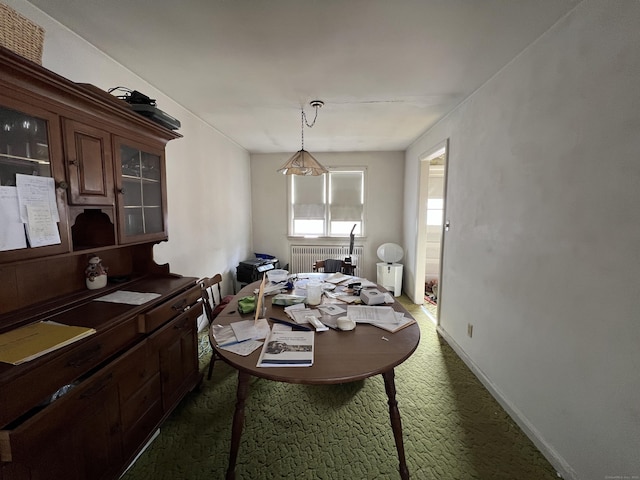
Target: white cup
point(314, 293)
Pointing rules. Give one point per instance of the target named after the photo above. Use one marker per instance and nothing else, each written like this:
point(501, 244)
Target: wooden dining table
point(339, 357)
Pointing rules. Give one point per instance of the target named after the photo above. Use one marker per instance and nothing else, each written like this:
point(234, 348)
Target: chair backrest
point(328, 266)
point(333, 266)
point(208, 287)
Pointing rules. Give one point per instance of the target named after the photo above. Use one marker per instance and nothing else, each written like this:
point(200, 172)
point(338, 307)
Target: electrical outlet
point(470, 330)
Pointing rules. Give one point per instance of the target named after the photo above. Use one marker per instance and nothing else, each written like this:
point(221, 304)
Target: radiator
point(303, 256)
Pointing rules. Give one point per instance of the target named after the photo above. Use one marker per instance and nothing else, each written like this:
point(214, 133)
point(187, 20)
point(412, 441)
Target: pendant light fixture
point(302, 162)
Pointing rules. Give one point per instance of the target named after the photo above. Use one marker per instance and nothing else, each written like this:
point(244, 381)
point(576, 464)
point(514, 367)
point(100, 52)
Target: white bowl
point(277, 275)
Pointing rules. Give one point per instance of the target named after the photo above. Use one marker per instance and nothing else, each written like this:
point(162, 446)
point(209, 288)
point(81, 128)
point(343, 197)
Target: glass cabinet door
point(24, 146)
point(141, 192)
point(28, 146)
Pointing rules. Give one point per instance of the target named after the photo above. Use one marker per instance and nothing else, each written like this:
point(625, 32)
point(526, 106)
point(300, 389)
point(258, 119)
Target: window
point(328, 205)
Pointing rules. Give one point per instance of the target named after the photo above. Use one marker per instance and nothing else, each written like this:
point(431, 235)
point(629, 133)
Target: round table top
point(339, 356)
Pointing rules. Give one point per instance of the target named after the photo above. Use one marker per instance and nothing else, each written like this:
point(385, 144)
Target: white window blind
point(327, 205)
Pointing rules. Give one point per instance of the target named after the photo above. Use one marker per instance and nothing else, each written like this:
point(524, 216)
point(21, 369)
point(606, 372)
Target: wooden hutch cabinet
point(84, 411)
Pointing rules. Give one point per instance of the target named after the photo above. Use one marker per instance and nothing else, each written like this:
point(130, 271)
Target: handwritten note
point(41, 227)
point(35, 190)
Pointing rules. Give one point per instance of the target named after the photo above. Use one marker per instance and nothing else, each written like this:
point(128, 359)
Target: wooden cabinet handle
point(73, 162)
point(180, 306)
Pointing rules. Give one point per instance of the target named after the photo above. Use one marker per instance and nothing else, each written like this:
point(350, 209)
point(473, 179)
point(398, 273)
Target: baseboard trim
point(563, 469)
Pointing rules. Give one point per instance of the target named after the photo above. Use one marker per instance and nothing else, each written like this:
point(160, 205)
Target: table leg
point(396, 424)
point(238, 422)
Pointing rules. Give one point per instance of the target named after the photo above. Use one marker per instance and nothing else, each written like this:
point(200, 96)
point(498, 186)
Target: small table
point(339, 357)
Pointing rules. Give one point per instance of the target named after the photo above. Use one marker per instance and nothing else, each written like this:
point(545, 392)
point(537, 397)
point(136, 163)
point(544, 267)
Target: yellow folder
point(32, 341)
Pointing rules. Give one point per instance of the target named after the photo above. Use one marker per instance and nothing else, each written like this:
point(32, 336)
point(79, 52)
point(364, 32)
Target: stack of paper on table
point(287, 348)
point(371, 314)
point(331, 309)
point(246, 340)
point(383, 317)
point(250, 329)
point(32, 341)
point(337, 278)
point(343, 297)
point(223, 335)
point(394, 327)
point(327, 314)
point(298, 315)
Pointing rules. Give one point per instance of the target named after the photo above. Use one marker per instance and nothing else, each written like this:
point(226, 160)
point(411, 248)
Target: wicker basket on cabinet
point(20, 35)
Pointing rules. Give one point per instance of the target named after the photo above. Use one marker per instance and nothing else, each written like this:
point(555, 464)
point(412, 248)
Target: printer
point(252, 270)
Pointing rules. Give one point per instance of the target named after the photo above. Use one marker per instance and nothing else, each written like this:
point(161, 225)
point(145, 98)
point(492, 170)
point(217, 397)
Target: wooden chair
point(333, 266)
point(213, 304)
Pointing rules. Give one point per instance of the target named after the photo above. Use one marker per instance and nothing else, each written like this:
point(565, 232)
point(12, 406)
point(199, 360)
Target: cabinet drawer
point(141, 414)
point(160, 315)
point(59, 426)
point(141, 402)
point(26, 391)
point(140, 366)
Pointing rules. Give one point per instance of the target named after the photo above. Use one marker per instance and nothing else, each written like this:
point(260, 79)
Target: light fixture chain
point(302, 162)
point(303, 120)
point(304, 116)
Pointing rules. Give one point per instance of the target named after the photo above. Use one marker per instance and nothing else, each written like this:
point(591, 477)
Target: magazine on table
point(287, 348)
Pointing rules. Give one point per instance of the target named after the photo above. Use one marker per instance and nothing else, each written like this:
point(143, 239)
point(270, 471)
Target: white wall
point(385, 174)
point(208, 176)
point(543, 254)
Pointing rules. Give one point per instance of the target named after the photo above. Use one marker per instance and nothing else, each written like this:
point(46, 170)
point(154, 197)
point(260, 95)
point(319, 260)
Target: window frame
point(327, 211)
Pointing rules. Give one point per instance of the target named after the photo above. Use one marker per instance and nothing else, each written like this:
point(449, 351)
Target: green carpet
point(453, 428)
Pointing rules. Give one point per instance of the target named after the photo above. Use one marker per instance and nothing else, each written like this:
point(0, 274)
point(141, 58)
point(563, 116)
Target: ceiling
point(386, 70)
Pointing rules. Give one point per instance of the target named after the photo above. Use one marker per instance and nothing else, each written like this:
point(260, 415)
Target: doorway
point(431, 215)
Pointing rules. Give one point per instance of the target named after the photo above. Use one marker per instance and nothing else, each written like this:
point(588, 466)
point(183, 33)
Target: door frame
point(421, 240)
